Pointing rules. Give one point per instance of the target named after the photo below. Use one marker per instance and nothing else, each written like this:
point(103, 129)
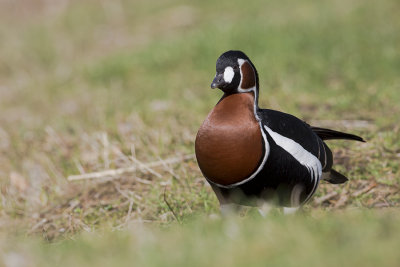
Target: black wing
point(328, 134)
point(291, 127)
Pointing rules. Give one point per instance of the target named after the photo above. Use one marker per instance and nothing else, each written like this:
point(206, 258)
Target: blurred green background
point(95, 85)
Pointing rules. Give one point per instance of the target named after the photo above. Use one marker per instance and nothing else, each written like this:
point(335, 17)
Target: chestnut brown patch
point(229, 142)
point(248, 76)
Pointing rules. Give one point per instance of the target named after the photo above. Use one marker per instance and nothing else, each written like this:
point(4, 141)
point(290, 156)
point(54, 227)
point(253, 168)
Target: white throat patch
point(228, 74)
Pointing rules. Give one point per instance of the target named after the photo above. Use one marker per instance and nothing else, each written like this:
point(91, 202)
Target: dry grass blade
point(326, 197)
point(364, 190)
point(342, 200)
point(37, 225)
point(146, 167)
point(169, 206)
point(128, 216)
point(120, 171)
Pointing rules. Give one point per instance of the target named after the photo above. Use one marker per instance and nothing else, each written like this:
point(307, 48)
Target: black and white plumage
point(251, 155)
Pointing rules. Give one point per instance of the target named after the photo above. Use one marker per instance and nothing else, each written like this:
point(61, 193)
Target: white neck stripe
point(254, 90)
point(240, 89)
point(248, 90)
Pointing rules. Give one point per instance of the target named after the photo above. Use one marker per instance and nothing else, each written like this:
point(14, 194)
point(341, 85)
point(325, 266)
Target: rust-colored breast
point(229, 142)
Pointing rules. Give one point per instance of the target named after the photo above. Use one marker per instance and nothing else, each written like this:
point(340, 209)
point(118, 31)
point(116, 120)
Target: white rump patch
point(304, 157)
point(228, 74)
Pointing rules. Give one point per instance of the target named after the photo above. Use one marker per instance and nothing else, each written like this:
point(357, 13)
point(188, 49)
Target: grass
point(342, 238)
point(88, 86)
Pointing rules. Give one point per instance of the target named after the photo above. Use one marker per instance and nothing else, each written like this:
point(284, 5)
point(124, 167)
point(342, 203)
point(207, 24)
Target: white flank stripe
point(304, 157)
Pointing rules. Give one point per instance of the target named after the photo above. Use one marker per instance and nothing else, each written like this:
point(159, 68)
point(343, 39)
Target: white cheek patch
point(228, 74)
